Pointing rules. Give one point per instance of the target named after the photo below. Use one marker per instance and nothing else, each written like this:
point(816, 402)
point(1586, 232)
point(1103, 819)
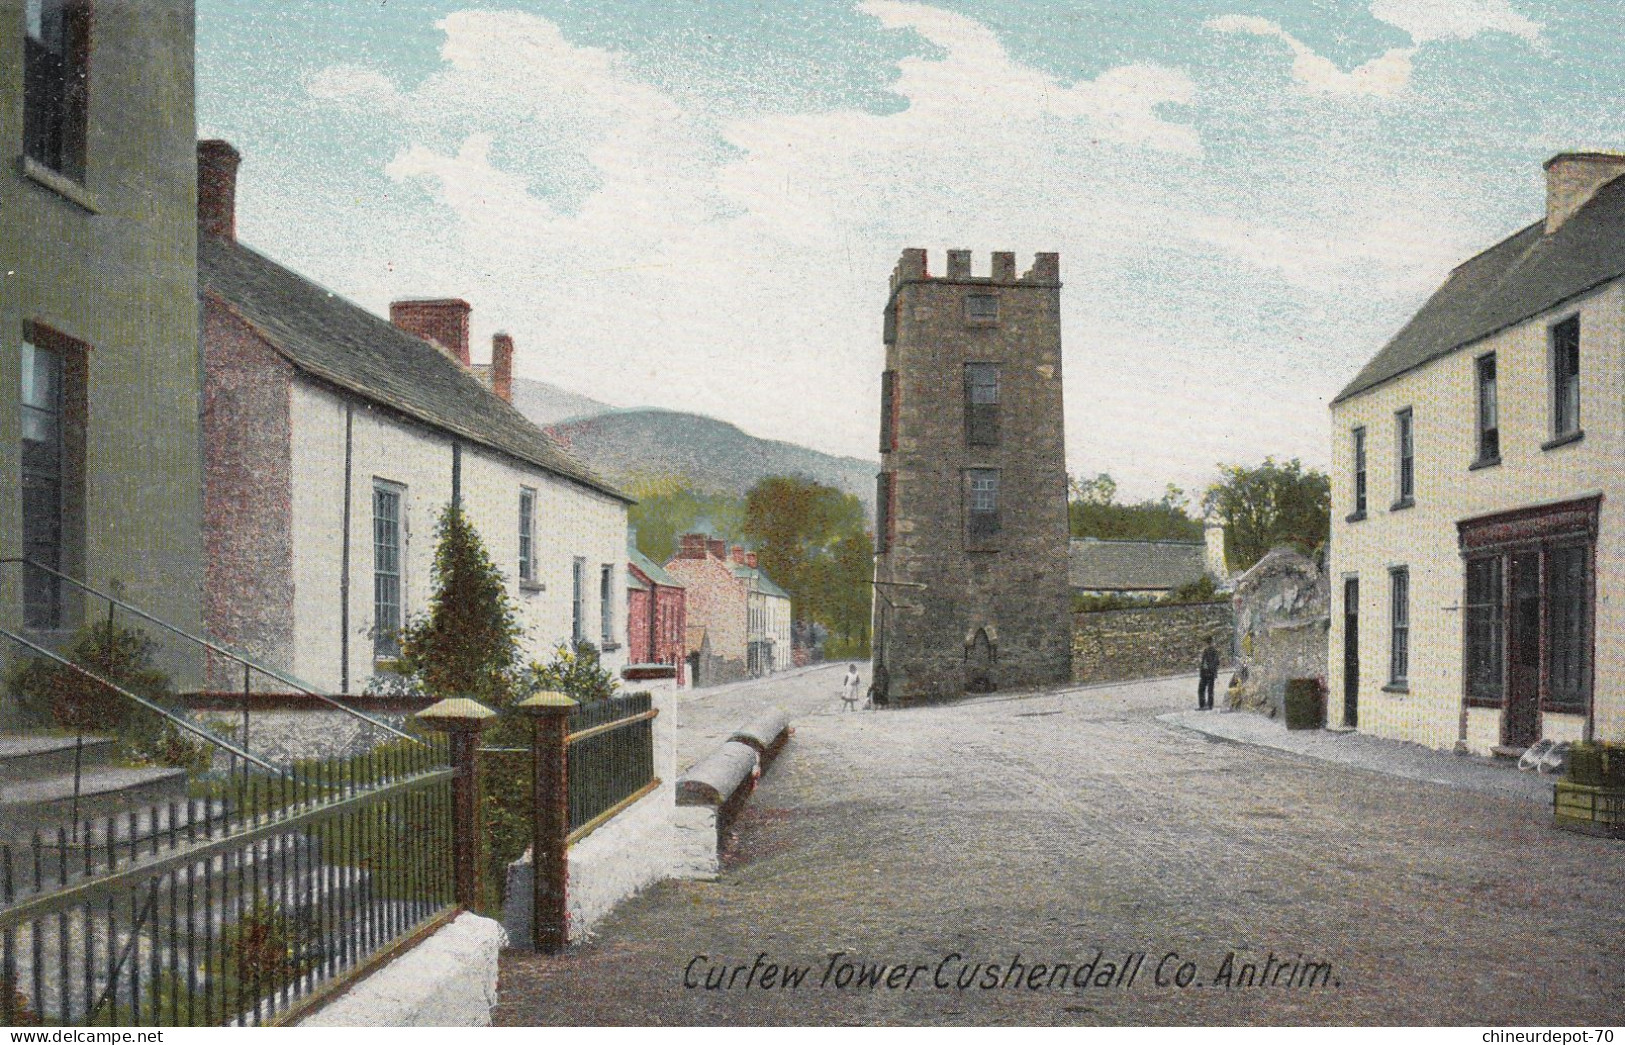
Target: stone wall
point(1148, 641)
point(448, 980)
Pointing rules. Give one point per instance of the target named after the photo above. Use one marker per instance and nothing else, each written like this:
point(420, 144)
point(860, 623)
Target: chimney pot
point(442, 321)
point(1572, 178)
point(502, 367)
point(739, 554)
point(750, 559)
point(217, 164)
point(718, 549)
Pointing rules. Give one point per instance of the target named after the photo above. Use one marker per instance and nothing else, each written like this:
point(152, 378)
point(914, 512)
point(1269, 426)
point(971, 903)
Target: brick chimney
point(217, 165)
point(1572, 178)
point(691, 546)
point(441, 321)
point(502, 366)
point(718, 548)
point(750, 559)
point(739, 555)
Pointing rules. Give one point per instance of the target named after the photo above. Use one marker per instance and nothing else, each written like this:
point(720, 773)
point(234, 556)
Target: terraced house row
point(1478, 534)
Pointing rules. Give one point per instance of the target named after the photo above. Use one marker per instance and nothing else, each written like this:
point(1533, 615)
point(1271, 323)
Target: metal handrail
point(173, 718)
point(231, 654)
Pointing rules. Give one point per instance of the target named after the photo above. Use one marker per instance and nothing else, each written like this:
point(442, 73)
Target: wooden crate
point(1588, 809)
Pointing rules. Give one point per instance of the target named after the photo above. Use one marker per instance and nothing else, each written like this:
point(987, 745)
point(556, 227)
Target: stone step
point(45, 803)
point(25, 756)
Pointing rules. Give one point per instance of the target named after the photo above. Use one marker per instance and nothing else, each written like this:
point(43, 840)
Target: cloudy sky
point(697, 206)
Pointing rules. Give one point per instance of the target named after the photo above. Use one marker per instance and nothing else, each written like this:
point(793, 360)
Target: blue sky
point(697, 206)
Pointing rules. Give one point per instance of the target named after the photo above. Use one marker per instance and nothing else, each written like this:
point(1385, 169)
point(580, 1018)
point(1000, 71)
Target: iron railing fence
point(242, 908)
point(132, 653)
point(611, 756)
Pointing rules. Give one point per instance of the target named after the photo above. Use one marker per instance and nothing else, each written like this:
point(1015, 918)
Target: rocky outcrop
point(1281, 610)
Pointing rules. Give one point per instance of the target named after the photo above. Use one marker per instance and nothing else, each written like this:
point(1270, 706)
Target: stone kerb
point(716, 780)
point(766, 734)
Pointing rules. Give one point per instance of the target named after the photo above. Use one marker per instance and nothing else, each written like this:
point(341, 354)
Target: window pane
point(41, 476)
point(1485, 629)
point(1568, 594)
point(1359, 470)
point(1566, 376)
point(1407, 455)
point(1399, 658)
point(527, 513)
point(982, 381)
point(1489, 443)
point(386, 584)
point(983, 493)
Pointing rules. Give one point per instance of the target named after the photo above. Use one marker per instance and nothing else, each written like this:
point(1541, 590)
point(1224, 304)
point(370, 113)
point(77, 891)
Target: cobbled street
point(1049, 827)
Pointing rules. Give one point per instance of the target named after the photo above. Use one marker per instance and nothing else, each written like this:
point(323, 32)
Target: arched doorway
point(981, 656)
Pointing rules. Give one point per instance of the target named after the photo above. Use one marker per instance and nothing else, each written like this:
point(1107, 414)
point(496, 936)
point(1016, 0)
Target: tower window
point(982, 404)
point(982, 504)
point(982, 308)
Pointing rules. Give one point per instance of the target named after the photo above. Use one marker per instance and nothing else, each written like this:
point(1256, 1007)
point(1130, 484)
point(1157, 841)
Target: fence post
point(550, 819)
point(463, 720)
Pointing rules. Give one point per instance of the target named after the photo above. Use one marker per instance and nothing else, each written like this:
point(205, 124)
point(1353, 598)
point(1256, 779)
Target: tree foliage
point(814, 542)
point(1270, 505)
point(1094, 512)
point(667, 509)
point(467, 645)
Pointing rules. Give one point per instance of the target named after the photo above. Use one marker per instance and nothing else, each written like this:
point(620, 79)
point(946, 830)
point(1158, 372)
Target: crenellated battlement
point(914, 267)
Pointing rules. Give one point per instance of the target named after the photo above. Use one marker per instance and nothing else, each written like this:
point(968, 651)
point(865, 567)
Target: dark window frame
point(1357, 438)
point(606, 607)
point(983, 522)
point(982, 417)
point(1484, 623)
point(1564, 367)
point(1487, 407)
point(888, 411)
point(63, 481)
point(1405, 457)
point(388, 568)
point(527, 537)
point(56, 85)
point(1399, 628)
point(977, 311)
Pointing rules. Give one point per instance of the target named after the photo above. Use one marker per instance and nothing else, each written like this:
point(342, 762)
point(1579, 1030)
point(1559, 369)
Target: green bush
point(53, 696)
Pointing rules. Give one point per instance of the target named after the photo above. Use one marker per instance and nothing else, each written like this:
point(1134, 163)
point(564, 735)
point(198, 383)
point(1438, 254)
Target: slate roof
point(763, 582)
point(1524, 275)
point(655, 573)
point(1095, 565)
point(342, 343)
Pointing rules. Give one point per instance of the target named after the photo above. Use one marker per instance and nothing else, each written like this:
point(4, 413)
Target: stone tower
point(971, 534)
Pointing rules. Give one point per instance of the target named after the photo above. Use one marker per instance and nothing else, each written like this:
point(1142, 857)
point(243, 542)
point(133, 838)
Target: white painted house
point(1478, 495)
point(334, 439)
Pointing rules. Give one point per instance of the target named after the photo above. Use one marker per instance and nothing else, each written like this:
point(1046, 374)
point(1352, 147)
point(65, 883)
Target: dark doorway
point(1520, 725)
point(1351, 652)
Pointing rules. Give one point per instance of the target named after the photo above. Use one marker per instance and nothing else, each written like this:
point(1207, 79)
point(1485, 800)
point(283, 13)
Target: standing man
point(1209, 672)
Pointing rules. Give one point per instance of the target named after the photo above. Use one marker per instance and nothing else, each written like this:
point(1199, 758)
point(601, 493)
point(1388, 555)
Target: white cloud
point(1427, 20)
point(1384, 76)
point(1389, 74)
point(646, 250)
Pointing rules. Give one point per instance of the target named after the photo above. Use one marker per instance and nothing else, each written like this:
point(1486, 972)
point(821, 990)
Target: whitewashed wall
point(1424, 538)
point(571, 521)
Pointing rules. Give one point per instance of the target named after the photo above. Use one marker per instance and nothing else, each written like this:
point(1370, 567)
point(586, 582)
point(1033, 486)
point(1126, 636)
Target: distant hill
point(547, 404)
point(713, 456)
